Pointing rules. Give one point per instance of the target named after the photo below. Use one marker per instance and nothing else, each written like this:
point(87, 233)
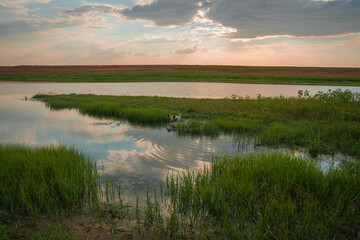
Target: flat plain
point(183, 73)
point(247, 70)
point(56, 192)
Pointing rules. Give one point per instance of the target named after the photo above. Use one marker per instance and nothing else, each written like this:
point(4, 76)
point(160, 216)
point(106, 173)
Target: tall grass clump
point(45, 180)
point(269, 196)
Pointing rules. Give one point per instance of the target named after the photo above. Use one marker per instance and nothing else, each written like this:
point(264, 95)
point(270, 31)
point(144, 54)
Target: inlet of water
point(138, 157)
point(167, 89)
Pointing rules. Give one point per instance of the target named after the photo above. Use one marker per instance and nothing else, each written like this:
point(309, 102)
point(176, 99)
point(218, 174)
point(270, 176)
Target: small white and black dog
point(174, 117)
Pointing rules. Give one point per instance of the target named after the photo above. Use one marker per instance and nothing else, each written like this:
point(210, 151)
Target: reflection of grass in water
point(178, 77)
point(326, 123)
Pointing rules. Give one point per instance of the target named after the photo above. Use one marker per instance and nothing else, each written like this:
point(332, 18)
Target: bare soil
point(304, 71)
point(78, 226)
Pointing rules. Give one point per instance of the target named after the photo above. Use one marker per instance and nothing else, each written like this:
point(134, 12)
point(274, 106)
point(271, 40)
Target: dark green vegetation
point(268, 196)
point(45, 180)
point(179, 77)
point(40, 187)
point(326, 123)
point(263, 196)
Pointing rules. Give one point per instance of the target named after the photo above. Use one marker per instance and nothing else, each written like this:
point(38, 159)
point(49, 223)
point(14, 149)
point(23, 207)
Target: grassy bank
point(263, 196)
point(179, 77)
point(45, 180)
point(325, 123)
point(268, 196)
point(55, 193)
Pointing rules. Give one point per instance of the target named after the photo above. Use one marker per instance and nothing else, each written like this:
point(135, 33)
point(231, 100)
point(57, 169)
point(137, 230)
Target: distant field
point(180, 77)
point(244, 70)
point(168, 73)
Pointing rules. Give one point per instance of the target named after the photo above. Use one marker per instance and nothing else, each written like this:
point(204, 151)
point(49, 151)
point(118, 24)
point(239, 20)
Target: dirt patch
point(77, 226)
point(304, 71)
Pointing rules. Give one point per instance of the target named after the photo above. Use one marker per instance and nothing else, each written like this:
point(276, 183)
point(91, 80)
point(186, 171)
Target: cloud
point(24, 1)
point(22, 26)
point(165, 12)
point(157, 40)
point(245, 18)
point(144, 2)
point(99, 52)
point(89, 16)
point(84, 10)
point(207, 28)
point(254, 18)
point(142, 54)
point(190, 50)
point(14, 6)
point(40, 1)
point(351, 42)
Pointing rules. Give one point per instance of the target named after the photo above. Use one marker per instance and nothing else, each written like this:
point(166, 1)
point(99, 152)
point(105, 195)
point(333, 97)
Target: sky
point(217, 32)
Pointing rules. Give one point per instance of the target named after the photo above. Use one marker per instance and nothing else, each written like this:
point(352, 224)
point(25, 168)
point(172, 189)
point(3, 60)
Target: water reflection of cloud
point(143, 143)
point(129, 164)
point(85, 127)
point(121, 161)
point(134, 155)
point(99, 133)
point(12, 133)
point(200, 165)
point(88, 127)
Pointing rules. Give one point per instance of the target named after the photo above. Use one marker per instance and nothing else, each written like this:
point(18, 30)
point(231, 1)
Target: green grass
point(326, 123)
point(45, 180)
point(259, 196)
point(179, 77)
point(268, 196)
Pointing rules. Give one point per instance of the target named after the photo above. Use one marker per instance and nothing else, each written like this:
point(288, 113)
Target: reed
point(45, 180)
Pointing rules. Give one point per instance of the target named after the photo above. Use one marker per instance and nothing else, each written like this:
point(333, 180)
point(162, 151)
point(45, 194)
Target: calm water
point(191, 90)
point(138, 157)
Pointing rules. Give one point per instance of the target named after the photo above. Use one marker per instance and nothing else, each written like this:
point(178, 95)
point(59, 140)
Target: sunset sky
point(222, 32)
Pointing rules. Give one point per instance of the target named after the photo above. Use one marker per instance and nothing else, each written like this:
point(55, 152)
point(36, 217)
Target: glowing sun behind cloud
point(247, 32)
